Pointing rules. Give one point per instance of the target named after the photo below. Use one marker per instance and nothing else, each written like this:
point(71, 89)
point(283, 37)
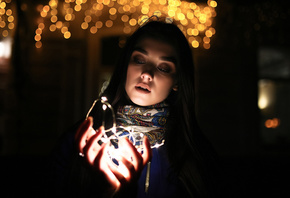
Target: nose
point(146, 76)
point(147, 72)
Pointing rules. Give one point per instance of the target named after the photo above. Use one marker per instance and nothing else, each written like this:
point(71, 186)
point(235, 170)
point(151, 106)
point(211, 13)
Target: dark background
point(47, 90)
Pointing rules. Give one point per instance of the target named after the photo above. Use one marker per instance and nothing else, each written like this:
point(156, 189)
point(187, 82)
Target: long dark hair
point(187, 148)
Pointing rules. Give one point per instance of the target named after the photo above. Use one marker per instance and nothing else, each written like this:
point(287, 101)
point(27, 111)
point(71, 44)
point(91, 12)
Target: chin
point(141, 102)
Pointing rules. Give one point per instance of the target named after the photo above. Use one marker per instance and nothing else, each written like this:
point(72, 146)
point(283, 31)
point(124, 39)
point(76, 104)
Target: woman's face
point(151, 72)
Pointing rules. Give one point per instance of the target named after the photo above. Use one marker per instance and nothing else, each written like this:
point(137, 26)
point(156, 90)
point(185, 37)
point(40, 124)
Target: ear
point(175, 88)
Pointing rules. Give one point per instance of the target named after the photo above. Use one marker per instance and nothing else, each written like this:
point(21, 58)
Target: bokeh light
point(7, 19)
point(194, 19)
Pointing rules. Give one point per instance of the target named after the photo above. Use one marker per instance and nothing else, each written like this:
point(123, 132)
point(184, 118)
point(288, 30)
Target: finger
point(120, 173)
point(129, 152)
point(92, 147)
point(83, 126)
point(147, 153)
point(104, 164)
point(126, 168)
point(81, 133)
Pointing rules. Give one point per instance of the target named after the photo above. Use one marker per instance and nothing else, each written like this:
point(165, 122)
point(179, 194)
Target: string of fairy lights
point(6, 18)
point(196, 21)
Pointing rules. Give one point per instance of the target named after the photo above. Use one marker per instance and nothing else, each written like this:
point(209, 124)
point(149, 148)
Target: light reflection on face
point(151, 72)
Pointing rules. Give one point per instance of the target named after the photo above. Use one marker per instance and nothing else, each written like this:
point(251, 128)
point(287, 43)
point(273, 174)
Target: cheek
point(129, 78)
point(166, 86)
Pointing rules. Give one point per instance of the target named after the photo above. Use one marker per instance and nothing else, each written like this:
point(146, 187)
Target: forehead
point(151, 45)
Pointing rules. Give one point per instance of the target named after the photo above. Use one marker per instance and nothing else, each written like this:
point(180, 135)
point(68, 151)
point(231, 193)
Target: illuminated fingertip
point(90, 118)
point(124, 170)
point(101, 128)
point(93, 132)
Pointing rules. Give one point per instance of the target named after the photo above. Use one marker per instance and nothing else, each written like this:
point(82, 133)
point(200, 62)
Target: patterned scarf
point(149, 120)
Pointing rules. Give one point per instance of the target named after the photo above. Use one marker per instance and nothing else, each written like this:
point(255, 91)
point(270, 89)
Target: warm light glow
point(11, 26)
point(53, 19)
point(263, 102)
point(41, 26)
point(38, 44)
point(213, 4)
point(99, 24)
point(7, 20)
point(113, 11)
point(272, 123)
point(2, 24)
point(206, 40)
point(266, 93)
point(37, 37)
point(46, 8)
point(67, 35)
point(195, 20)
point(127, 30)
point(64, 29)
point(85, 25)
point(109, 23)
point(5, 33)
point(133, 22)
point(58, 24)
point(206, 45)
point(93, 29)
point(195, 32)
point(195, 44)
point(208, 33)
point(78, 8)
point(125, 18)
point(5, 47)
point(52, 28)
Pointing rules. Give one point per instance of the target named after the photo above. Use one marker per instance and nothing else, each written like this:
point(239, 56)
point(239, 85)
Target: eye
point(139, 60)
point(164, 68)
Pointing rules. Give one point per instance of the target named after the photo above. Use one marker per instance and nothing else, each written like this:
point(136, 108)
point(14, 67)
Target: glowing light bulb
point(104, 107)
point(104, 98)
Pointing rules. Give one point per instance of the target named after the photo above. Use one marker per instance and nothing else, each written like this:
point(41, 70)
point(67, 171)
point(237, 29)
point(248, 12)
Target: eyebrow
point(165, 58)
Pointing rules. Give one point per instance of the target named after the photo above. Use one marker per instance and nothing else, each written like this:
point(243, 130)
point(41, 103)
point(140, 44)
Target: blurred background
point(56, 55)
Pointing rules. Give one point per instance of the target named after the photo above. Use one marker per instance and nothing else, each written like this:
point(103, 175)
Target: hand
point(131, 162)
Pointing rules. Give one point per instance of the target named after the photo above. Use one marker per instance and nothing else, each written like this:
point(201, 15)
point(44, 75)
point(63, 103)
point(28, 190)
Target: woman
point(154, 74)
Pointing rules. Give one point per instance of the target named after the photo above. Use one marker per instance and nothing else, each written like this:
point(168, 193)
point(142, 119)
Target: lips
point(143, 87)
